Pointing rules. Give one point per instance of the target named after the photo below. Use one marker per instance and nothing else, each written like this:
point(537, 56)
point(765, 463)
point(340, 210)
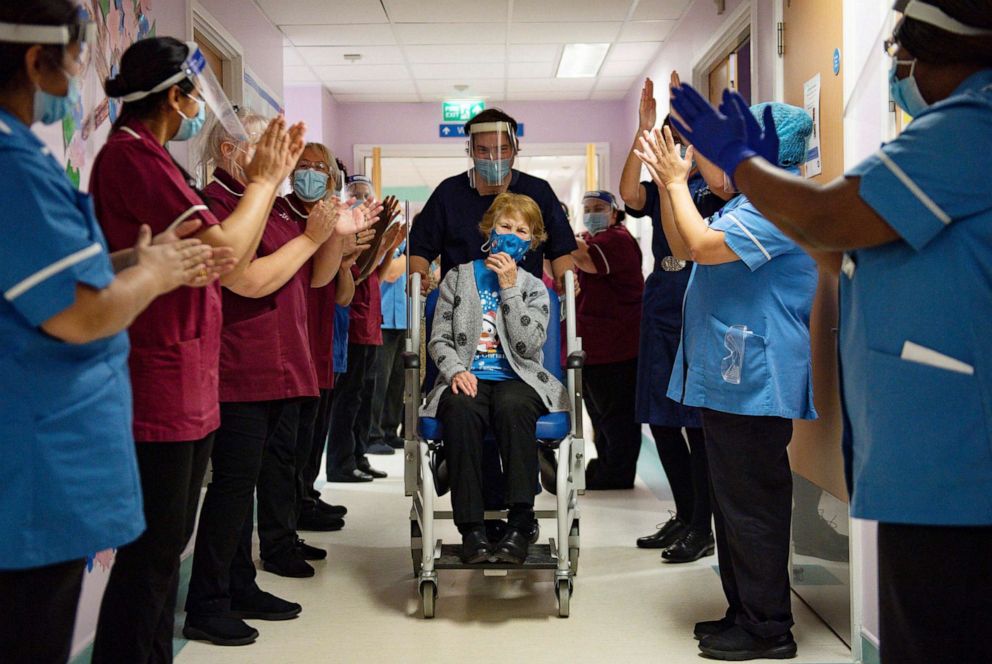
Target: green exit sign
point(461, 110)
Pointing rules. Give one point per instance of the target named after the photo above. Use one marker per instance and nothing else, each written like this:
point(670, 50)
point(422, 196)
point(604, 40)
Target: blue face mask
point(49, 108)
point(310, 185)
point(596, 222)
point(190, 127)
point(492, 172)
point(510, 244)
point(905, 93)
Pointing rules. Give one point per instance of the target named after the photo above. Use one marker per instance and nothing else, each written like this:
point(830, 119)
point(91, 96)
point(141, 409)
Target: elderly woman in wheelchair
point(489, 328)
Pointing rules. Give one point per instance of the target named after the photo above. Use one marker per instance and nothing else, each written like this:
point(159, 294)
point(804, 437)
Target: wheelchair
point(561, 450)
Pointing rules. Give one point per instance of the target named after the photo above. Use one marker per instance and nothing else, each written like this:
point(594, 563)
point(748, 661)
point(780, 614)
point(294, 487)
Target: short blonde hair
point(521, 205)
point(328, 158)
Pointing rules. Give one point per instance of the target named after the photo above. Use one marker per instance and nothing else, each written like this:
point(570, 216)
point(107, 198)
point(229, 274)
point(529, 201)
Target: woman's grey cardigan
point(521, 323)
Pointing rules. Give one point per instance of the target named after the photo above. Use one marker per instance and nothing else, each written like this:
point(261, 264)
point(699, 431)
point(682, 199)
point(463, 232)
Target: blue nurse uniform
point(916, 322)
point(69, 481)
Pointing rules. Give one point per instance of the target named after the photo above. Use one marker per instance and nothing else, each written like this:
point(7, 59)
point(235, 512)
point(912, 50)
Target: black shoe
point(334, 510)
point(817, 538)
point(264, 606)
point(317, 521)
point(495, 529)
point(736, 644)
point(692, 546)
point(666, 536)
point(350, 476)
point(711, 627)
point(512, 548)
point(380, 447)
point(219, 630)
point(290, 564)
point(396, 443)
point(372, 472)
point(476, 547)
point(308, 552)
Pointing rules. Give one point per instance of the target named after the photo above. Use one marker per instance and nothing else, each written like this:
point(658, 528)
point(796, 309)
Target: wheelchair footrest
point(539, 556)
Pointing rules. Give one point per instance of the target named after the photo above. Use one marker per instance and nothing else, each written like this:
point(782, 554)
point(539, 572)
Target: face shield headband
point(935, 16)
point(84, 33)
point(195, 69)
point(494, 168)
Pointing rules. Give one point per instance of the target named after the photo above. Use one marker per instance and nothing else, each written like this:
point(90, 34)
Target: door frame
point(742, 21)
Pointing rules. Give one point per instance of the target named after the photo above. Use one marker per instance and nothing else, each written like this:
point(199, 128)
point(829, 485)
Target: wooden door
point(813, 30)
point(721, 78)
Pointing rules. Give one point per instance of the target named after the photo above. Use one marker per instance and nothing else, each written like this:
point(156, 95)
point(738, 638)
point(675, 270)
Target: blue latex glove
point(720, 138)
point(763, 141)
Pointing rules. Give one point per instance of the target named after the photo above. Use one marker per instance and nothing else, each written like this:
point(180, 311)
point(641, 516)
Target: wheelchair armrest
point(411, 360)
point(576, 360)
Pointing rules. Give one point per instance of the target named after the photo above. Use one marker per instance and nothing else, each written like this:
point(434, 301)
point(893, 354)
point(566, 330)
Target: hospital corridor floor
point(363, 606)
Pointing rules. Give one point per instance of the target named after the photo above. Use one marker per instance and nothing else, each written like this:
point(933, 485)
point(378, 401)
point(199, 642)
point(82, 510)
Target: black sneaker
point(380, 447)
point(690, 547)
point(219, 630)
point(308, 552)
point(290, 564)
point(334, 510)
point(264, 606)
point(711, 627)
point(317, 521)
point(737, 644)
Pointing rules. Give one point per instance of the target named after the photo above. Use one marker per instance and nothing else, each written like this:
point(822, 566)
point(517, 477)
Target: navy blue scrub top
point(916, 322)
point(69, 482)
point(448, 226)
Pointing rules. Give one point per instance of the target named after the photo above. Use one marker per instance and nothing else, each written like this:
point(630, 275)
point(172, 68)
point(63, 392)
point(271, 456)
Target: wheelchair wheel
point(563, 589)
point(428, 595)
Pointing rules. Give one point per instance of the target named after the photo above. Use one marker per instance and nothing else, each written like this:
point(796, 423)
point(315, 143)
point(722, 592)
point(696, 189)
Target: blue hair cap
point(793, 126)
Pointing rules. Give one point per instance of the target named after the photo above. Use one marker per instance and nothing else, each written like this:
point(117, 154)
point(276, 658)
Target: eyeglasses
point(890, 46)
point(315, 165)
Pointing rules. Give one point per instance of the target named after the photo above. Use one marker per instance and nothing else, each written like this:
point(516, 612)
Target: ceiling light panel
point(334, 55)
point(564, 33)
point(653, 10)
point(642, 31)
point(306, 12)
point(446, 11)
point(452, 33)
point(337, 35)
point(537, 11)
point(581, 60)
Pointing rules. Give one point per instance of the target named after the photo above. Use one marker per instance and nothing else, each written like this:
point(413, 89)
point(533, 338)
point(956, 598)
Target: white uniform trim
point(128, 130)
point(750, 236)
point(4, 128)
point(228, 189)
point(58, 266)
point(293, 208)
point(603, 256)
point(914, 188)
point(186, 215)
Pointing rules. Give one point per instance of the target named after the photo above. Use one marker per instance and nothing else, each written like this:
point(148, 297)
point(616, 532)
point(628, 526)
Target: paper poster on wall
point(811, 101)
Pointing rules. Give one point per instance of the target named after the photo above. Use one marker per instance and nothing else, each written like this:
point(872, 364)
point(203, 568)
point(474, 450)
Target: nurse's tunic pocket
point(250, 356)
point(926, 421)
point(752, 393)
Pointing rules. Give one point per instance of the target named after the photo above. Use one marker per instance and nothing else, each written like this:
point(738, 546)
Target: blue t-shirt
point(490, 361)
point(769, 293)
point(916, 318)
point(394, 299)
point(69, 483)
point(342, 318)
point(448, 226)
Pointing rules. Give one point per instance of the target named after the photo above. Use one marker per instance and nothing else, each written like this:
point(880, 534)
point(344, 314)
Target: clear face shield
point(196, 70)
point(83, 33)
point(491, 148)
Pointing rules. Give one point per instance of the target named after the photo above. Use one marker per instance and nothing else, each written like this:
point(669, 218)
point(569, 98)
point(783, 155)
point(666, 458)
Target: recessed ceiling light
point(581, 60)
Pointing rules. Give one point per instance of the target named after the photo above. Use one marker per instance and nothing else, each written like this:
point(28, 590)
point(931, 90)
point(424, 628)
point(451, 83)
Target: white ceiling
point(419, 50)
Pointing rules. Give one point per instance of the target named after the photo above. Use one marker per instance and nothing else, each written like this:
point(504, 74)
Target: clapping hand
point(647, 112)
point(662, 159)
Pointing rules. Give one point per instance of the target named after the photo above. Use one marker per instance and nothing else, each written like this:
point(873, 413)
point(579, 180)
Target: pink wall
point(314, 105)
point(544, 122)
point(261, 40)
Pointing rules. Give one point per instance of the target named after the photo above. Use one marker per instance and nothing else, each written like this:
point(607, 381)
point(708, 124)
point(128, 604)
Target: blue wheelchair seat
point(552, 427)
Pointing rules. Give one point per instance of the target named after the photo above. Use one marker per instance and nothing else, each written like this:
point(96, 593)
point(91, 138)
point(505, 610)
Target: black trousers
point(38, 612)
point(687, 472)
point(934, 593)
point(137, 615)
point(223, 566)
point(509, 409)
point(609, 392)
point(752, 508)
point(387, 400)
point(351, 412)
point(313, 427)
